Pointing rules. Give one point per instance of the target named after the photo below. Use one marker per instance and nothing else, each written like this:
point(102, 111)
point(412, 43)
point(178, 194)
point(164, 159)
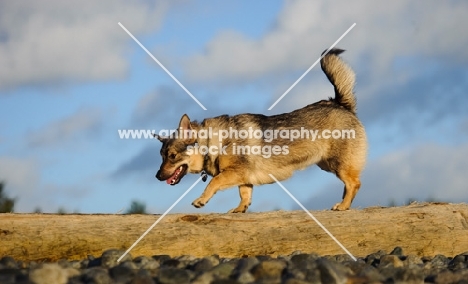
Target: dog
point(260, 159)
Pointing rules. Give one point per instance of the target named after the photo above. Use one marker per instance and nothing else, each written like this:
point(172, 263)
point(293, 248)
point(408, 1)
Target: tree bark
point(420, 229)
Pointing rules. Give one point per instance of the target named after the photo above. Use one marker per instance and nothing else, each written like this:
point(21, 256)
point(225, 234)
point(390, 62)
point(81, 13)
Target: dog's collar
point(203, 173)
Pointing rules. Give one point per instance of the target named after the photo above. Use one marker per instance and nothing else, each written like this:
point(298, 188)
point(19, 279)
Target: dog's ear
point(186, 130)
point(184, 123)
point(160, 138)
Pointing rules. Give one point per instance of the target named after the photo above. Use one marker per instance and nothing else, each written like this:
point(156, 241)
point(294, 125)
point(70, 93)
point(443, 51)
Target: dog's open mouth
point(177, 175)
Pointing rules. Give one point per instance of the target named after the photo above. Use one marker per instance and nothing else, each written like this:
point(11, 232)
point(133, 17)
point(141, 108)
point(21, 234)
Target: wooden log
point(420, 229)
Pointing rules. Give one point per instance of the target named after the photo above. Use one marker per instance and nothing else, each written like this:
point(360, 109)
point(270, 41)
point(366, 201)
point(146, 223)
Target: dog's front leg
point(225, 179)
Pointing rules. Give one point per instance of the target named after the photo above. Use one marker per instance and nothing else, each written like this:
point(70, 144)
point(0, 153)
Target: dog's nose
point(158, 175)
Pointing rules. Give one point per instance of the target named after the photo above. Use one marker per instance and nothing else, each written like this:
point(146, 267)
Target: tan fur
point(343, 157)
point(342, 78)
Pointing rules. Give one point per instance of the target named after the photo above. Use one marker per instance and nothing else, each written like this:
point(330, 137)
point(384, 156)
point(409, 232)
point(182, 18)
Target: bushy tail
point(342, 78)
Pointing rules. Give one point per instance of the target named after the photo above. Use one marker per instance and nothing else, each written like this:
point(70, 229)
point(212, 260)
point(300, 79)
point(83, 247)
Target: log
point(423, 229)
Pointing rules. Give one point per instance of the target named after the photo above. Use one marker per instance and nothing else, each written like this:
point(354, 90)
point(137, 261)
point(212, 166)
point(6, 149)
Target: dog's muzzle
point(158, 175)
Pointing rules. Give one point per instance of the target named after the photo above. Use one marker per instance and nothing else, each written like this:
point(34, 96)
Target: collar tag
point(204, 176)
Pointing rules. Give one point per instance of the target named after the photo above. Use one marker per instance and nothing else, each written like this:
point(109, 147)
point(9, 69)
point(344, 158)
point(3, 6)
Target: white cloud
point(86, 121)
point(23, 181)
point(55, 41)
point(20, 175)
point(463, 127)
point(163, 107)
point(385, 31)
point(428, 171)
point(305, 93)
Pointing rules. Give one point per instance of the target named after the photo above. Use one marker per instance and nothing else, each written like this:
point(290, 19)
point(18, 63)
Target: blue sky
point(70, 77)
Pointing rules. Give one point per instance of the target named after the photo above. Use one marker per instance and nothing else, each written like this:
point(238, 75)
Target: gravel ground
point(297, 268)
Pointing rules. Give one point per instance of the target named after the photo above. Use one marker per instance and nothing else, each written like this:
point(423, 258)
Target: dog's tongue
point(169, 180)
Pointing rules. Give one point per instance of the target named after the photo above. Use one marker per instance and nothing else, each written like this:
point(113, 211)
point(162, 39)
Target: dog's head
point(177, 157)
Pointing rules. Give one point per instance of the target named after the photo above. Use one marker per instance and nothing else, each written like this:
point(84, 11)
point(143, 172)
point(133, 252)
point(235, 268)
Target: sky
point(71, 77)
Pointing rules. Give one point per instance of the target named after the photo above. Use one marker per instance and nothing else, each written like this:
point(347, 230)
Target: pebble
point(50, 273)
point(459, 262)
point(8, 262)
point(223, 270)
point(305, 261)
point(246, 264)
point(390, 260)
point(96, 275)
point(122, 273)
point(173, 276)
point(269, 270)
point(203, 264)
point(412, 260)
point(109, 257)
point(204, 278)
point(245, 277)
point(161, 258)
point(296, 268)
point(397, 251)
point(333, 272)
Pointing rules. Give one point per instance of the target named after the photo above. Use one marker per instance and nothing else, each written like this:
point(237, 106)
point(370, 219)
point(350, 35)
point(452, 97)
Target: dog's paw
point(239, 209)
point(340, 207)
point(199, 202)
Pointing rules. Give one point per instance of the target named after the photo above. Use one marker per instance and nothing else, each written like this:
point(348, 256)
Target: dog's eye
point(172, 156)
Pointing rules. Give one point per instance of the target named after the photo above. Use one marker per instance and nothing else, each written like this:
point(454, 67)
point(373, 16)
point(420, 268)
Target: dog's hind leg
point(245, 192)
point(350, 178)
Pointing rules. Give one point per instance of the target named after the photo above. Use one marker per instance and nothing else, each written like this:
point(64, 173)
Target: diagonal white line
point(162, 66)
point(159, 219)
point(313, 217)
point(313, 65)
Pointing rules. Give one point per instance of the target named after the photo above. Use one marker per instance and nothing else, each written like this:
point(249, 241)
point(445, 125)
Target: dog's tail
point(342, 78)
